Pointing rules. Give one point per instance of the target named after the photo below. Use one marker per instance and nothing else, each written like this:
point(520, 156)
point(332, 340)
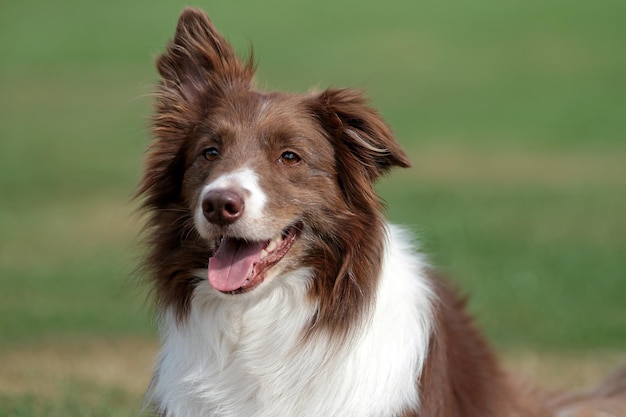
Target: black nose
point(223, 207)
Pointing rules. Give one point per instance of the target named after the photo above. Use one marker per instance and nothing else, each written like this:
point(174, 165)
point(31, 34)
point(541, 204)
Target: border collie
point(282, 290)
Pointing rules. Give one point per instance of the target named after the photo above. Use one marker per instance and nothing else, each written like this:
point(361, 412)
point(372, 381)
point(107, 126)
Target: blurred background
point(513, 113)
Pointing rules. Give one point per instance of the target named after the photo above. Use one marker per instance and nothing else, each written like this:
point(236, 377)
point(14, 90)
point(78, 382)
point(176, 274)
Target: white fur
point(255, 199)
point(244, 356)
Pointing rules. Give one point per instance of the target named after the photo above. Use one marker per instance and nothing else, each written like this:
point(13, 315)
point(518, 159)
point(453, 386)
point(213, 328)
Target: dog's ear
point(199, 63)
point(198, 68)
point(364, 149)
point(359, 130)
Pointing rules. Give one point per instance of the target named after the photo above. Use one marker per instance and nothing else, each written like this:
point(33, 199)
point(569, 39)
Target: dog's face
point(250, 184)
point(259, 170)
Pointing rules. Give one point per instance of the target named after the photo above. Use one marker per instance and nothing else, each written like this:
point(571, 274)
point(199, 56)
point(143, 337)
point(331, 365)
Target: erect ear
point(198, 67)
point(199, 61)
point(360, 130)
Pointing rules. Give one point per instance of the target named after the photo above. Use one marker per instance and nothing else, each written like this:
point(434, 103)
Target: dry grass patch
point(564, 371)
point(44, 370)
point(125, 365)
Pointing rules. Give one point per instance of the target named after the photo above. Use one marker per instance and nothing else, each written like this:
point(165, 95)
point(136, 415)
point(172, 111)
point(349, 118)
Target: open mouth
point(238, 265)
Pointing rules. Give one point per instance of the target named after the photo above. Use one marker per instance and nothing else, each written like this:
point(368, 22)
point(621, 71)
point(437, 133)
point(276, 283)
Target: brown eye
point(211, 154)
point(289, 158)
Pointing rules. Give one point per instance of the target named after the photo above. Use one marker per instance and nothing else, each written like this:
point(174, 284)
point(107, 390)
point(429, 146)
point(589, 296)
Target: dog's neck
point(249, 357)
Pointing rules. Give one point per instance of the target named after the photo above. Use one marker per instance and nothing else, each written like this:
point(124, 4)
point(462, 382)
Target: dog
point(281, 289)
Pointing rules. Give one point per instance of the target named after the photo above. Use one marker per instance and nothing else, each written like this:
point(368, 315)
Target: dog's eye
point(211, 154)
point(289, 158)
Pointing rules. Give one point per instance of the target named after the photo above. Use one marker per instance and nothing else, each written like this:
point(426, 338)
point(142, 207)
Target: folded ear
point(360, 131)
point(199, 61)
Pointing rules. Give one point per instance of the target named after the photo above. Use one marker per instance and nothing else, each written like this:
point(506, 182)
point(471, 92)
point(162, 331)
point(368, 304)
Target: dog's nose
point(223, 207)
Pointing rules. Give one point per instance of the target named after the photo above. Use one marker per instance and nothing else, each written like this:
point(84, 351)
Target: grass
point(513, 114)
point(104, 377)
point(538, 272)
point(86, 377)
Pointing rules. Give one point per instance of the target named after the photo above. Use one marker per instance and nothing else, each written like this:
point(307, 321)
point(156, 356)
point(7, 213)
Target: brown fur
point(207, 92)
point(462, 376)
point(206, 97)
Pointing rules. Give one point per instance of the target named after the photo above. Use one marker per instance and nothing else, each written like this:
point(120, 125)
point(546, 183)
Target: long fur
point(348, 320)
point(247, 358)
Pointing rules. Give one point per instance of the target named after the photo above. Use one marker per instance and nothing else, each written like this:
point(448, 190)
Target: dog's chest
point(235, 359)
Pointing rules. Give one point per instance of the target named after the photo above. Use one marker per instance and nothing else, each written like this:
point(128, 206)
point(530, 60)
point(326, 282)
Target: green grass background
point(514, 113)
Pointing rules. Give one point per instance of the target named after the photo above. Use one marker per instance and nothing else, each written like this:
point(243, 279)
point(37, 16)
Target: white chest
point(247, 358)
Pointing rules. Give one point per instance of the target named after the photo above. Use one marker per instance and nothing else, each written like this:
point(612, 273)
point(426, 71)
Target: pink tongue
point(232, 263)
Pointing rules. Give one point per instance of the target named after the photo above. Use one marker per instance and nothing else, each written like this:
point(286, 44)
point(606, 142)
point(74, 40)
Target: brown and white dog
point(281, 288)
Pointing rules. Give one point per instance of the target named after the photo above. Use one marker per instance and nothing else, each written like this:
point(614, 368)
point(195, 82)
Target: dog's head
point(251, 184)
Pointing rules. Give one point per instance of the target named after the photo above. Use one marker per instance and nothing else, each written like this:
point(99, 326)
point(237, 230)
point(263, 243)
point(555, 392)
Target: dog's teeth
point(271, 246)
point(263, 253)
